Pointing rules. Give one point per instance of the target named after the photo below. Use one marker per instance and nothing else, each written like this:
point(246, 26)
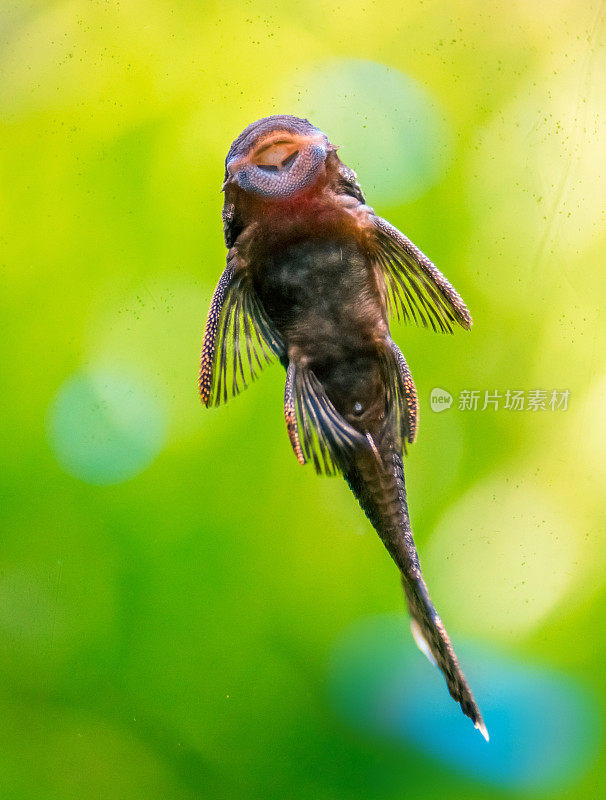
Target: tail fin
point(427, 628)
point(381, 492)
point(431, 638)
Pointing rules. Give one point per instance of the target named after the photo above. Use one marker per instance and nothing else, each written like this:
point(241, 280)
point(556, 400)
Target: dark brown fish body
point(311, 276)
point(323, 299)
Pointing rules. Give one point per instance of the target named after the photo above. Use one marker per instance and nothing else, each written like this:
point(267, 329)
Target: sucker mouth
point(274, 152)
point(289, 159)
point(275, 155)
point(285, 164)
point(279, 165)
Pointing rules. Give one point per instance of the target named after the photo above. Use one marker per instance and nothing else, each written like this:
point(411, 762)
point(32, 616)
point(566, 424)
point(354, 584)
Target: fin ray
point(328, 440)
point(416, 286)
point(238, 335)
point(402, 402)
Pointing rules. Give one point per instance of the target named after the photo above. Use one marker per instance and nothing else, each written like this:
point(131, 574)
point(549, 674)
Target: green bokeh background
point(168, 636)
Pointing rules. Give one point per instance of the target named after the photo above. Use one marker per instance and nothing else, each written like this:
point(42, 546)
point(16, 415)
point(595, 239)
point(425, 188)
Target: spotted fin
point(417, 289)
point(239, 338)
point(402, 400)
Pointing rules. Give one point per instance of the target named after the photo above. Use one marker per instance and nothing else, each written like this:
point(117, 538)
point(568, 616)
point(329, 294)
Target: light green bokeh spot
point(105, 427)
point(392, 131)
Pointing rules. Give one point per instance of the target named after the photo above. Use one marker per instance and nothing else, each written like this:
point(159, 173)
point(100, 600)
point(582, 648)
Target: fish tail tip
point(479, 726)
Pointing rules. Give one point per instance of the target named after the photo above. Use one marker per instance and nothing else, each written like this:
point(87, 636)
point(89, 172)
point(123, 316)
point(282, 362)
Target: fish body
point(323, 299)
point(312, 276)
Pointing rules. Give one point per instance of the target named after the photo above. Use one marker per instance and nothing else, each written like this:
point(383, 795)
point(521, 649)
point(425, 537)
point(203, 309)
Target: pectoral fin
point(238, 339)
point(290, 414)
point(418, 289)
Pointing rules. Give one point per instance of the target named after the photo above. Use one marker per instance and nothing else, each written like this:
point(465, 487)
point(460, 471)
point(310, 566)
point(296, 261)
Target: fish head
point(277, 157)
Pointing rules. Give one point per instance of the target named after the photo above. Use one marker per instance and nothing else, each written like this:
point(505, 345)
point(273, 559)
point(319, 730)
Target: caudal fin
point(380, 488)
point(430, 635)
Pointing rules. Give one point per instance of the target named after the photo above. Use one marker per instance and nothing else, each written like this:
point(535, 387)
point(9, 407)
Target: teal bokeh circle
point(105, 427)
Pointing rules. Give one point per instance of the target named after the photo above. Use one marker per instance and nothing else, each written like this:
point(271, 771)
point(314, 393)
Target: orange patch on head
point(275, 154)
point(279, 146)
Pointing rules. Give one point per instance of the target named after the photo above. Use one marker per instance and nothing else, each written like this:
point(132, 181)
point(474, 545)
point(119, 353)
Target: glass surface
point(185, 612)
